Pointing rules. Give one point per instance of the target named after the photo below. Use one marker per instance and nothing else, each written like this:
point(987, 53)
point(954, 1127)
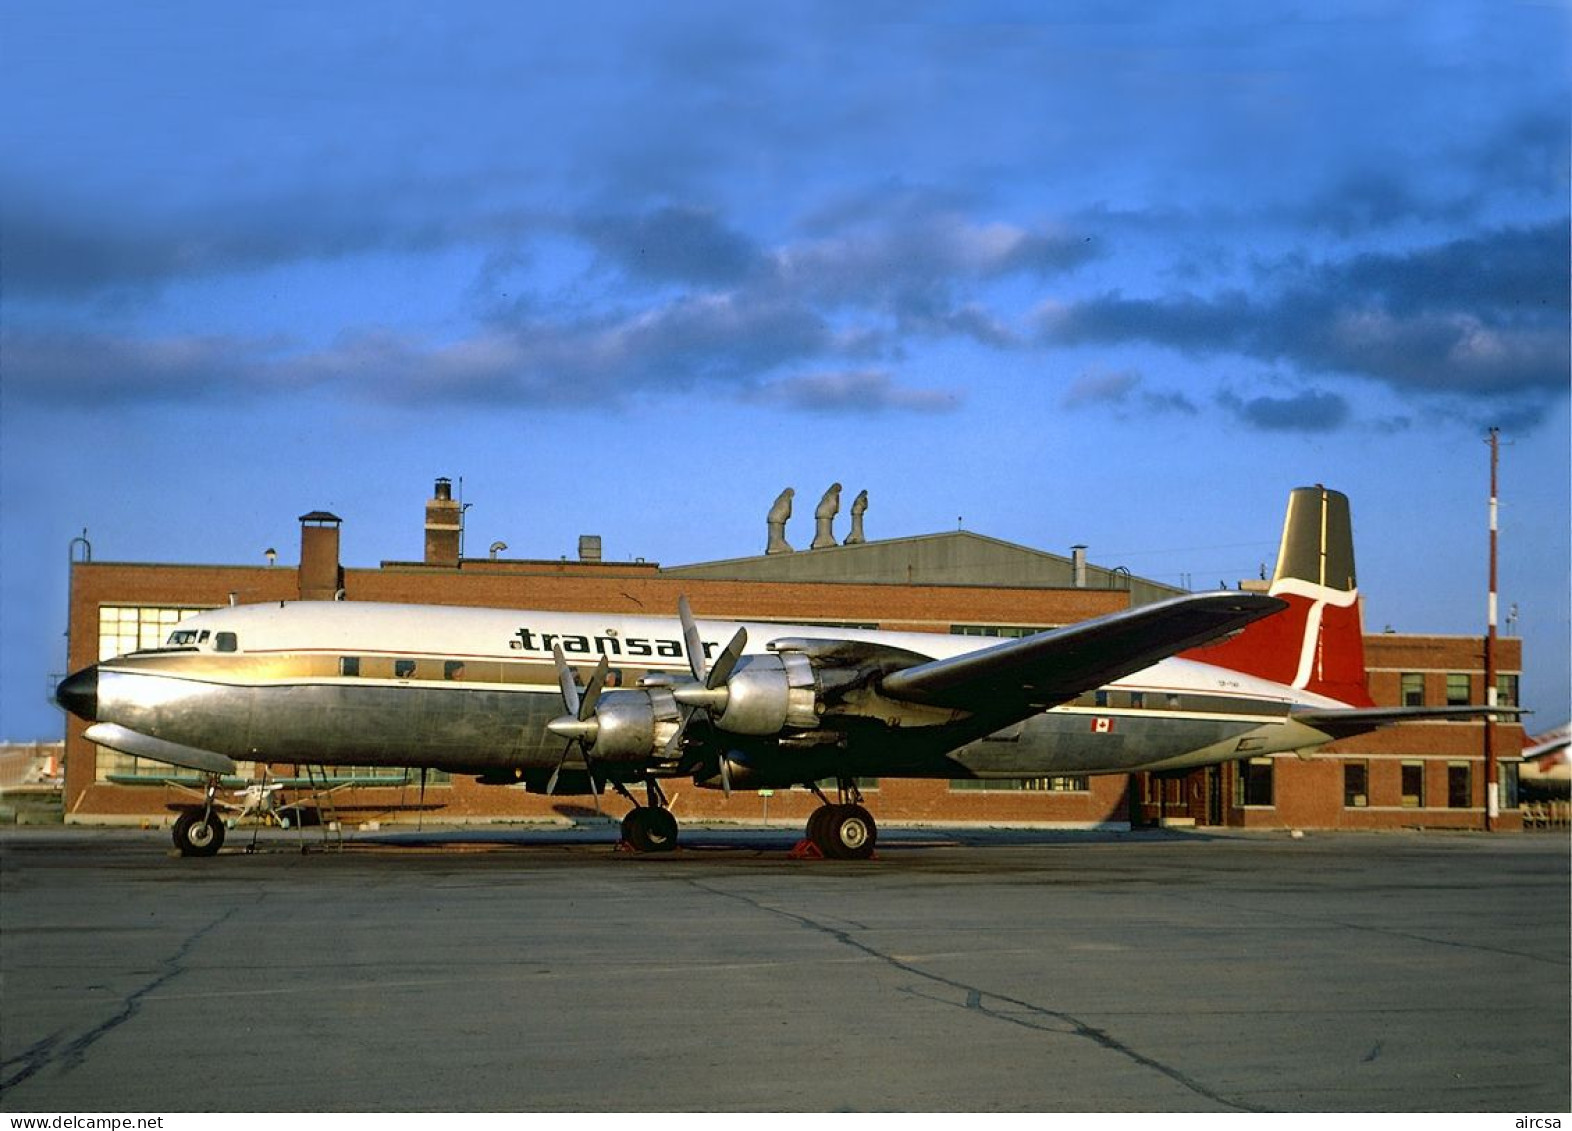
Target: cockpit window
point(226, 642)
point(187, 637)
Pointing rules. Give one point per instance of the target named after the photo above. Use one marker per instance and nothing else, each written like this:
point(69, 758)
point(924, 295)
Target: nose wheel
point(199, 832)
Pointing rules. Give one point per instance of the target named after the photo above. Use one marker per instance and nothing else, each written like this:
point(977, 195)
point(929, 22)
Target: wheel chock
point(805, 850)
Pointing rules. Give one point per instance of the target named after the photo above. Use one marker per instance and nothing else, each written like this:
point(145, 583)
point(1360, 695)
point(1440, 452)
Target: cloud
point(854, 392)
point(1309, 411)
point(687, 245)
point(1483, 316)
point(92, 371)
point(1099, 388)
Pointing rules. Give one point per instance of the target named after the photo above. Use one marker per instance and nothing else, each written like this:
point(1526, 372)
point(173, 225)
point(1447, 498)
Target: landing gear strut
point(200, 831)
point(651, 827)
point(844, 831)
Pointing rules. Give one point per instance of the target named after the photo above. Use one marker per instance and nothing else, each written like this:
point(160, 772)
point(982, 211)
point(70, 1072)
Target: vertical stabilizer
point(1317, 643)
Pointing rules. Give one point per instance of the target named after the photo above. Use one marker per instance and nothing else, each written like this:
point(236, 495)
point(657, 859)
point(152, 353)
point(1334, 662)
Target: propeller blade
point(727, 661)
point(592, 692)
point(725, 775)
point(565, 680)
point(690, 634)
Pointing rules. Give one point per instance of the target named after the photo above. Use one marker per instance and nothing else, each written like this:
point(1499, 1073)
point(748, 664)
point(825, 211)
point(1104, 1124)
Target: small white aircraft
point(494, 693)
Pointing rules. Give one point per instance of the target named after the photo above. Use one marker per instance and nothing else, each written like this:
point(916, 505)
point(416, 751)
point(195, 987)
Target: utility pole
point(1492, 780)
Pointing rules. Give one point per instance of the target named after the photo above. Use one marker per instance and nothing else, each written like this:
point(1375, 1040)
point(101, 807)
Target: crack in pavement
point(996, 1007)
point(71, 1055)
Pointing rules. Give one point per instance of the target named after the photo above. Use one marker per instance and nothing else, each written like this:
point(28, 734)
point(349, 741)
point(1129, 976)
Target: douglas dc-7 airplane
point(1187, 682)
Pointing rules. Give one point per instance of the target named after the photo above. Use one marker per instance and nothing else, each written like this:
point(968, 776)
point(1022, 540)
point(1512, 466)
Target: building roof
point(955, 558)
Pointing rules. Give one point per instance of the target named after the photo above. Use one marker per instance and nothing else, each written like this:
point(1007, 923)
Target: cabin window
point(453, 669)
point(226, 642)
point(349, 666)
point(1356, 785)
point(403, 669)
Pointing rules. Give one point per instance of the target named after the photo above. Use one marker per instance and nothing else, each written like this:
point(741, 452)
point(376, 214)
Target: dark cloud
point(1309, 411)
point(1484, 316)
point(66, 248)
point(854, 392)
point(671, 244)
point(91, 371)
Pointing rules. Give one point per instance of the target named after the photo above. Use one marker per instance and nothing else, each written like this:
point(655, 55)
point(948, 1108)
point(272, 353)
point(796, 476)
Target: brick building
point(1429, 774)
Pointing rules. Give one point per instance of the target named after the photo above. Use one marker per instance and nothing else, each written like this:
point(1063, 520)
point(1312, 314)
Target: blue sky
point(1101, 273)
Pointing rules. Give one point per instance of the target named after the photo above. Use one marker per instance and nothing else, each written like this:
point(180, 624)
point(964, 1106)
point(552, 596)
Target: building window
point(1413, 785)
point(131, 628)
point(1457, 690)
point(1509, 785)
point(1506, 689)
point(1068, 783)
point(1458, 792)
point(1253, 785)
point(1356, 785)
point(1413, 692)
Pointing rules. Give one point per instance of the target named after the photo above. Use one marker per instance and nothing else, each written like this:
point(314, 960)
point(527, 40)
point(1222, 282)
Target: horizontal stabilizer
point(1056, 666)
point(128, 741)
point(1362, 720)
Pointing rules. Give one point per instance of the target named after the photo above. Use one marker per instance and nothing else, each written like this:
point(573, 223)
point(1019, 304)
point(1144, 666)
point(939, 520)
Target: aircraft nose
point(78, 694)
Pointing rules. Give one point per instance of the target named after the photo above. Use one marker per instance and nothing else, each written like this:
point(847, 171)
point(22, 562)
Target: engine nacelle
point(768, 694)
point(631, 726)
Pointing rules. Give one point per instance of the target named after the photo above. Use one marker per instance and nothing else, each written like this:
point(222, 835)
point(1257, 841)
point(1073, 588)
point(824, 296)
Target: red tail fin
point(1317, 643)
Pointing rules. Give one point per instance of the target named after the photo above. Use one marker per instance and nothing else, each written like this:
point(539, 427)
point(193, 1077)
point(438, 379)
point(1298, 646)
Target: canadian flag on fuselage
point(1316, 644)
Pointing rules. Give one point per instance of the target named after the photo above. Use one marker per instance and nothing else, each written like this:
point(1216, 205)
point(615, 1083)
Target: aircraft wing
point(1056, 666)
point(1362, 720)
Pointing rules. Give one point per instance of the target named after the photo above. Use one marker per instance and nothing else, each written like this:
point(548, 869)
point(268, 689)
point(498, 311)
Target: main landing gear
point(199, 830)
point(843, 831)
point(651, 827)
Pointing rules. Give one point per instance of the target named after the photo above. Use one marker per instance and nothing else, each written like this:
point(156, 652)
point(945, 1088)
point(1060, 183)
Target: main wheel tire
point(649, 829)
point(816, 824)
point(849, 833)
point(199, 833)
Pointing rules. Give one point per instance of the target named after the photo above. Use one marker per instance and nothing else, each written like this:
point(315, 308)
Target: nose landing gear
point(199, 831)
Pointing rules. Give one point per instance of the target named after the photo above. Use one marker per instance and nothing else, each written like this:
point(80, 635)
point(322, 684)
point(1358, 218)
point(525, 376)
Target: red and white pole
point(1492, 779)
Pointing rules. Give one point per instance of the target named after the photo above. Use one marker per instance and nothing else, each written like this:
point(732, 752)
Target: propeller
point(708, 693)
point(578, 726)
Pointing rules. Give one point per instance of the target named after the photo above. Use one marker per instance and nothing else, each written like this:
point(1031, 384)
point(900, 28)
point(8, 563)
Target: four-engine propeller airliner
point(495, 693)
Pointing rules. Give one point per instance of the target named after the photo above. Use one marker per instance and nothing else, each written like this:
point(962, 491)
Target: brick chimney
point(444, 526)
point(321, 577)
